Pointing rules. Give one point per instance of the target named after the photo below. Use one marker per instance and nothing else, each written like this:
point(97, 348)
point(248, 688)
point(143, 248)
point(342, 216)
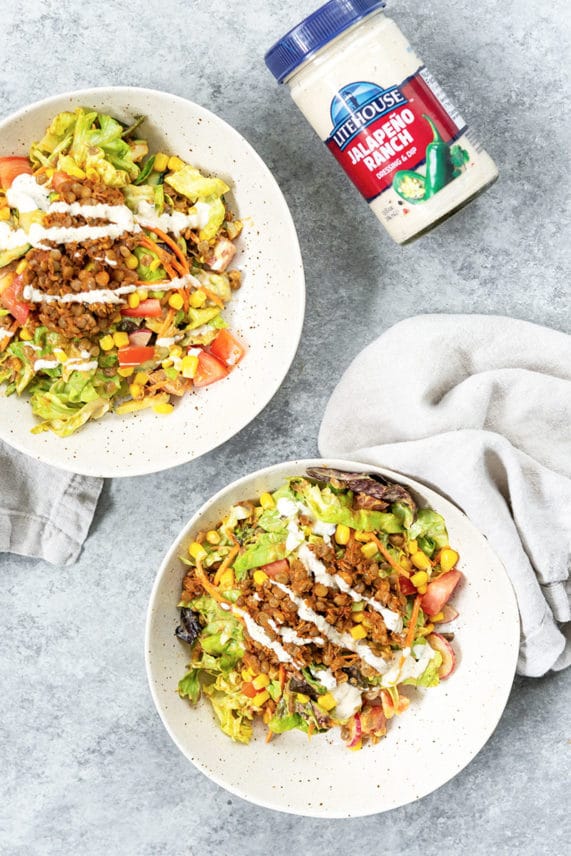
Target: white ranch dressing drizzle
point(288, 634)
point(393, 620)
point(27, 195)
point(343, 640)
point(258, 634)
point(5, 334)
point(46, 364)
point(100, 295)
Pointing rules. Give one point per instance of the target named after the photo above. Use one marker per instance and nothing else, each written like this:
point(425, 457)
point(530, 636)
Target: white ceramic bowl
point(435, 738)
point(267, 312)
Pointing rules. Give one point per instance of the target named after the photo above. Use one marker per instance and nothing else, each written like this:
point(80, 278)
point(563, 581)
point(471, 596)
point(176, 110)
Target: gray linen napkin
point(478, 407)
point(44, 512)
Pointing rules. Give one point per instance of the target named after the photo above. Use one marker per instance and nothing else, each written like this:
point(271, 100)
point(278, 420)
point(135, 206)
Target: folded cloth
point(479, 408)
point(44, 512)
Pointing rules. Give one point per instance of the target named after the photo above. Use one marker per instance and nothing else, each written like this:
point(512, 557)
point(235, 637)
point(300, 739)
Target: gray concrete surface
point(86, 766)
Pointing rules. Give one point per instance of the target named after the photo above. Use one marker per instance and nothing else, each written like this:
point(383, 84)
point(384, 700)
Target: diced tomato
point(150, 308)
point(58, 179)
point(11, 299)
point(134, 355)
point(439, 592)
point(274, 568)
point(227, 348)
point(11, 167)
point(249, 690)
point(209, 370)
point(406, 586)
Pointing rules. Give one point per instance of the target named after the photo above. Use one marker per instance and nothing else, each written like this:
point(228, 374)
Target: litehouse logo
point(357, 105)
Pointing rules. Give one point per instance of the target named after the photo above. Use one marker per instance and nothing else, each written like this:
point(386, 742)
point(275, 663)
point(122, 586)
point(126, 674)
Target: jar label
point(381, 136)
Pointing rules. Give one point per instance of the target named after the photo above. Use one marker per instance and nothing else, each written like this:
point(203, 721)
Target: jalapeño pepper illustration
point(439, 166)
point(410, 186)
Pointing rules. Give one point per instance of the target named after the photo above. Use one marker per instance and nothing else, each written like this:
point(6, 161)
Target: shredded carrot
point(209, 587)
point(269, 735)
point(169, 318)
point(165, 258)
point(412, 623)
point(392, 562)
point(282, 676)
point(213, 297)
point(172, 244)
point(226, 563)
point(6, 339)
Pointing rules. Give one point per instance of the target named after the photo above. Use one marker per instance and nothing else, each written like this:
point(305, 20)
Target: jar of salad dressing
point(382, 115)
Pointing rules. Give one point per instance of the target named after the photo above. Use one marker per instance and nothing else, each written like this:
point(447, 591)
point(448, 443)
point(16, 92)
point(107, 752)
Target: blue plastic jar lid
point(314, 32)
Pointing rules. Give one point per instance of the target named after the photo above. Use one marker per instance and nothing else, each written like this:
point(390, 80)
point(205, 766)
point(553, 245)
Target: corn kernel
point(176, 301)
point(358, 632)
point(132, 262)
point(358, 745)
point(267, 500)
point(246, 675)
point(121, 339)
point(50, 172)
point(260, 698)
point(419, 579)
point(369, 550)
point(176, 351)
point(141, 378)
point(136, 391)
point(327, 701)
point(133, 300)
point(405, 562)
point(302, 698)
point(167, 364)
point(226, 580)
point(21, 267)
point(197, 299)
point(155, 264)
point(437, 618)
point(358, 616)
point(362, 536)
point(422, 589)
point(342, 534)
point(163, 407)
point(448, 558)
point(26, 335)
point(213, 537)
point(261, 682)
point(161, 162)
point(421, 561)
point(60, 355)
point(106, 343)
point(260, 578)
point(4, 214)
point(412, 547)
point(125, 371)
point(143, 294)
point(197, 551)
point(175, 163)
point(189, 366)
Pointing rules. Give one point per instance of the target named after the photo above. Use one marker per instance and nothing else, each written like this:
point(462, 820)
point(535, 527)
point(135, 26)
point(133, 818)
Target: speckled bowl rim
point(428, 495)
point(89, 464)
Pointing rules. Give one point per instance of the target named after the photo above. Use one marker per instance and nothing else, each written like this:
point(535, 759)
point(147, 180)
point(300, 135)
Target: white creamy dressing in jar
point(368, 95)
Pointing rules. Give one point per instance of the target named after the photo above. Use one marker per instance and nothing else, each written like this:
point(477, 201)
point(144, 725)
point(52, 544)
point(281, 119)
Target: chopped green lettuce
point(216, 216)
point(218, 283)
point(269, 547)
point(429, 524)
point(429, 677)
point(190, 182)
point(333, 508)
